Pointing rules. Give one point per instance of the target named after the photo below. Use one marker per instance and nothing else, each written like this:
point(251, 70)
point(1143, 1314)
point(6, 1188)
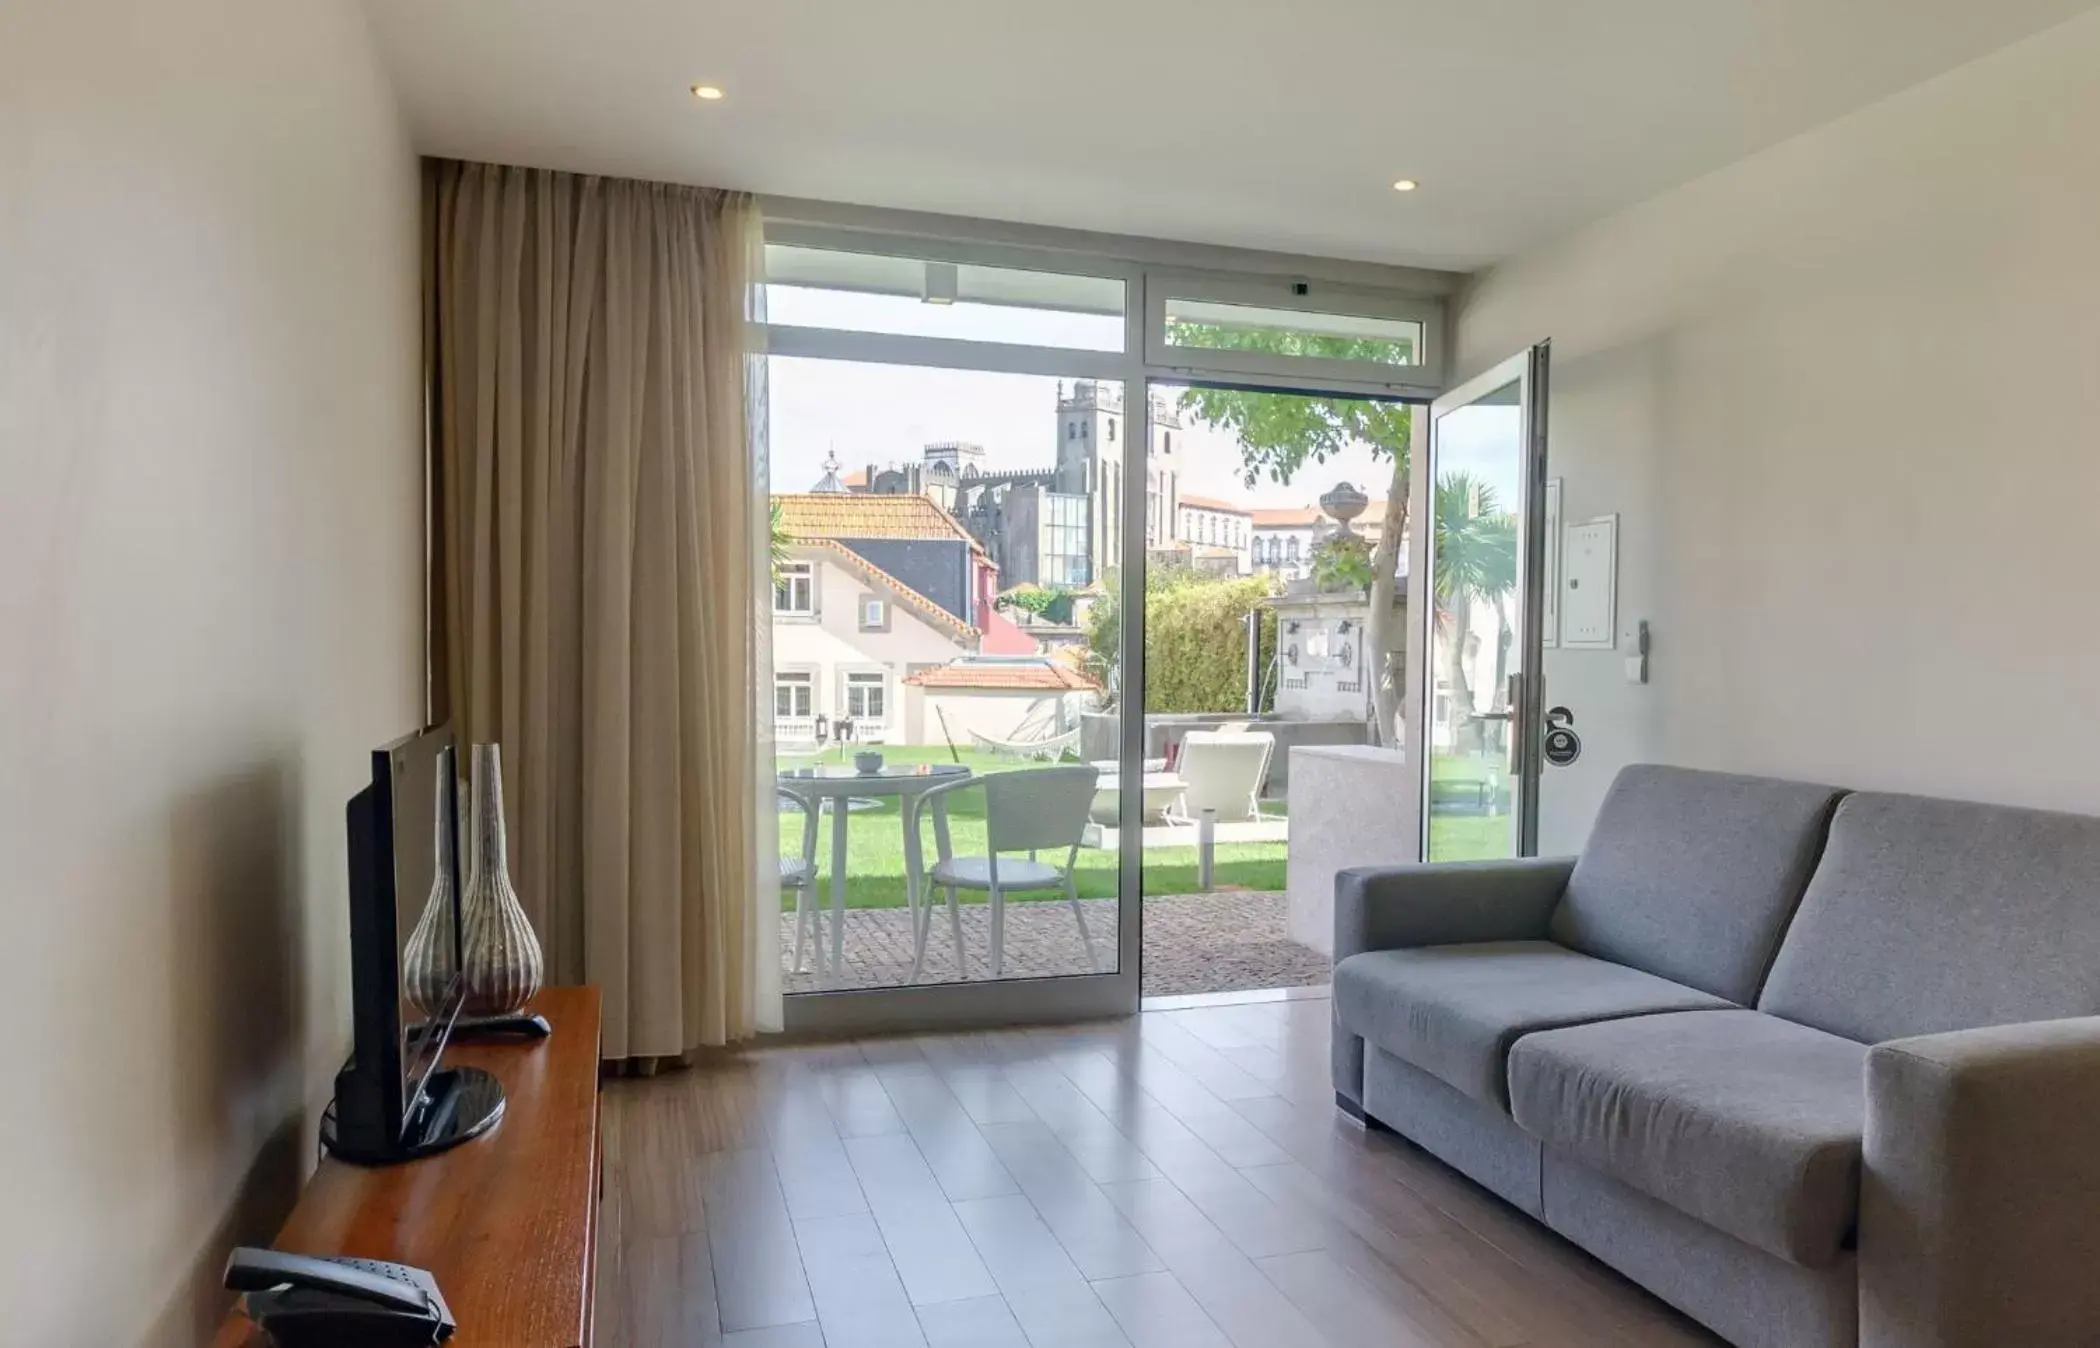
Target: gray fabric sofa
point(1816, 1067)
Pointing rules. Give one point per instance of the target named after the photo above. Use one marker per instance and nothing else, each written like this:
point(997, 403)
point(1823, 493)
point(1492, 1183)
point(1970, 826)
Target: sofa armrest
point(1980, 1197)
point(1445, 903)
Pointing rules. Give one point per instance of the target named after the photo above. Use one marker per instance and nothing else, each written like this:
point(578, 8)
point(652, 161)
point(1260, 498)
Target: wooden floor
point(1179, 1180)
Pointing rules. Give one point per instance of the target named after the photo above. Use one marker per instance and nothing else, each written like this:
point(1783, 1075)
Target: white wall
point(1844, 397)
point(998, 714)
point(210, 608)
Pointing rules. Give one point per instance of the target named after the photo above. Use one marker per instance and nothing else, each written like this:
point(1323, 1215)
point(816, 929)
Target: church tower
point(1090, 439)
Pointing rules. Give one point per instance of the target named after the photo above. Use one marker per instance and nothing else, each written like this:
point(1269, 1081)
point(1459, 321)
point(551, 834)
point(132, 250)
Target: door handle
point(1512, 699)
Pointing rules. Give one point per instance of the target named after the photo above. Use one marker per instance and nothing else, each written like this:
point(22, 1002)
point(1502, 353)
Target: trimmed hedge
point(1195, 640)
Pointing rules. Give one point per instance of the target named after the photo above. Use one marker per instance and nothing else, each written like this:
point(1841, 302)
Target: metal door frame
point(1530, 371)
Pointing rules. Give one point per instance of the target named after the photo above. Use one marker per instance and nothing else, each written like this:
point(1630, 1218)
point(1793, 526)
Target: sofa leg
point(1356, 1111)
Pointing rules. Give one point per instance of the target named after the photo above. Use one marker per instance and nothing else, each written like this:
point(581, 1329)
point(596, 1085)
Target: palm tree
point(1476, 561)
point(781, 538)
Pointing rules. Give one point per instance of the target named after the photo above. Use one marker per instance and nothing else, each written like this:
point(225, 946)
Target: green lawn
point(875, 842)
point(1457, 830)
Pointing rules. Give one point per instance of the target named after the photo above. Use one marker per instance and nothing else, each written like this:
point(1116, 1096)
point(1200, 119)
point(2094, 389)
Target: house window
point(874, 615)
point(794, 589)
point(793, 695)
point(1294, 548)
point(1072, 431)
point(865, 697)
point(1168, 438)
point(1111, 428)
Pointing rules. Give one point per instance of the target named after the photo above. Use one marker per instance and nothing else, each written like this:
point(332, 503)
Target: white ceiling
point(1274, 124)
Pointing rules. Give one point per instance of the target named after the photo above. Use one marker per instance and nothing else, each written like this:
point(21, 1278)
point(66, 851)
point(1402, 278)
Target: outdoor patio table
point(839, 782)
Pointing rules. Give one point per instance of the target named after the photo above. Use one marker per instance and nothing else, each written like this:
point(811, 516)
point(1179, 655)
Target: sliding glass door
point(948, 470)
point(997, 475)
point(1271, 516)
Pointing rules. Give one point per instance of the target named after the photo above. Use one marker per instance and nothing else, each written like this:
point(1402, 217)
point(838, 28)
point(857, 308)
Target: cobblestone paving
point(1222, 942)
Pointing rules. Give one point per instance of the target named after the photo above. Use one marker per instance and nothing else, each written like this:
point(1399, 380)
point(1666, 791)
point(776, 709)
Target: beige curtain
point(599, 528)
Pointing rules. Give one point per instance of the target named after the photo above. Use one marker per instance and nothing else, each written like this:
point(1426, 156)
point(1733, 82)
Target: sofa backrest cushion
point(1930, 915)
point(1693, 875)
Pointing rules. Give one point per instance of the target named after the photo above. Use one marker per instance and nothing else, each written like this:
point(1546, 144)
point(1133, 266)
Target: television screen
point(428, 884)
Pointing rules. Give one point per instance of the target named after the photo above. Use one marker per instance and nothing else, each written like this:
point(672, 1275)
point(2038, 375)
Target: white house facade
point(1218, 526)
point(845, 636)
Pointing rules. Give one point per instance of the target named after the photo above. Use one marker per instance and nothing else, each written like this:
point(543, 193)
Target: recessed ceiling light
point(707, 93)
point(1405, 185)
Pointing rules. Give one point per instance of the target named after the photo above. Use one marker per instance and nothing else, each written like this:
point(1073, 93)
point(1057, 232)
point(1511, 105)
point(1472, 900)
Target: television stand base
point(459, 1104)
point(523, 1025)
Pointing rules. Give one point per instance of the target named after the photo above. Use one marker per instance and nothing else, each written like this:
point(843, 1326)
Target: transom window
point(795, 590)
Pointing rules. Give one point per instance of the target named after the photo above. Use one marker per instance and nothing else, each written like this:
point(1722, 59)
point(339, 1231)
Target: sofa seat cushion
point(1747, 1122)
point(1454, 1010)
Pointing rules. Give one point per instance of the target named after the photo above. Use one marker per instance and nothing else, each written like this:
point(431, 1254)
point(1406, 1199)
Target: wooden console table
point(507, 1223)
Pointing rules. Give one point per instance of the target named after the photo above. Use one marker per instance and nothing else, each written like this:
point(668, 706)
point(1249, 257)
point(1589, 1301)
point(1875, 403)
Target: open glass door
point(1479, 736)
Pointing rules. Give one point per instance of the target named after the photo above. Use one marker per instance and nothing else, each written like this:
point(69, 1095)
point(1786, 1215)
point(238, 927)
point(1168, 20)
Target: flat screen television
point(393, 1099)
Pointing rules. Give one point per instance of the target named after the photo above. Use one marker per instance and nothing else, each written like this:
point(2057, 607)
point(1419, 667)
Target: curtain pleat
point(600, 490)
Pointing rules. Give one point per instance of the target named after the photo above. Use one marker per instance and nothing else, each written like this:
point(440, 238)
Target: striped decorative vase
point(500, 954)
point(426, 961)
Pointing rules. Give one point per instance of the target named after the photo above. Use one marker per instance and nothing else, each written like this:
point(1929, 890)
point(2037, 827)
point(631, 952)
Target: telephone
point(304, 1301)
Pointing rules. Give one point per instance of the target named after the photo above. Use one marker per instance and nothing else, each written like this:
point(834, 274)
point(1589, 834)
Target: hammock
point(1053, 747)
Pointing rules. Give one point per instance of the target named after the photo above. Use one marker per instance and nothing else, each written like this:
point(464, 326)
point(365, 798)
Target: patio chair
point(799, 873)
point(1223, 772)
point(1031, 810)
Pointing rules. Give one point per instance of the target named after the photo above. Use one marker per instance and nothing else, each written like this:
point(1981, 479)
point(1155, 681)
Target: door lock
point(1563, 746)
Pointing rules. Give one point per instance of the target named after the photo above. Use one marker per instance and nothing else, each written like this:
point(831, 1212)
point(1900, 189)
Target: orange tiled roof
point(1044, 677)
point(1213, 503)
point(1300, 517)
point(932, 612)
point(812, 515)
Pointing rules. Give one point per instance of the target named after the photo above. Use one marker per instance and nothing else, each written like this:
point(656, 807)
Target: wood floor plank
point(980, 1322)
point(972, 1072)
point(670, 1294)
point(1222, 1280)
point(1177, 1180)
point(860, 1299)
point(781, 1336)
point(1343, 1306)
point(1155, 1311)
point(1435, 1284)
point(757, 1264)
point(1217, 1073)
point(1065, 1317)
point(934, 1258)
point(815, 1176)
point(662, 1145)
point(948, 1138)
point(859, 1105)
point(1092, 1232)
point(1016, 1245)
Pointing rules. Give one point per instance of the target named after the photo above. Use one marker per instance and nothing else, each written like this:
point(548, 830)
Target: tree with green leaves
point(1280, 433)
point(1476, 562)
point(777, 548)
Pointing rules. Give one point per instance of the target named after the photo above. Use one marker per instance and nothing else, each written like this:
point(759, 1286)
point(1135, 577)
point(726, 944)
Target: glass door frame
point(1013, 1001)
point(1530, 371)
